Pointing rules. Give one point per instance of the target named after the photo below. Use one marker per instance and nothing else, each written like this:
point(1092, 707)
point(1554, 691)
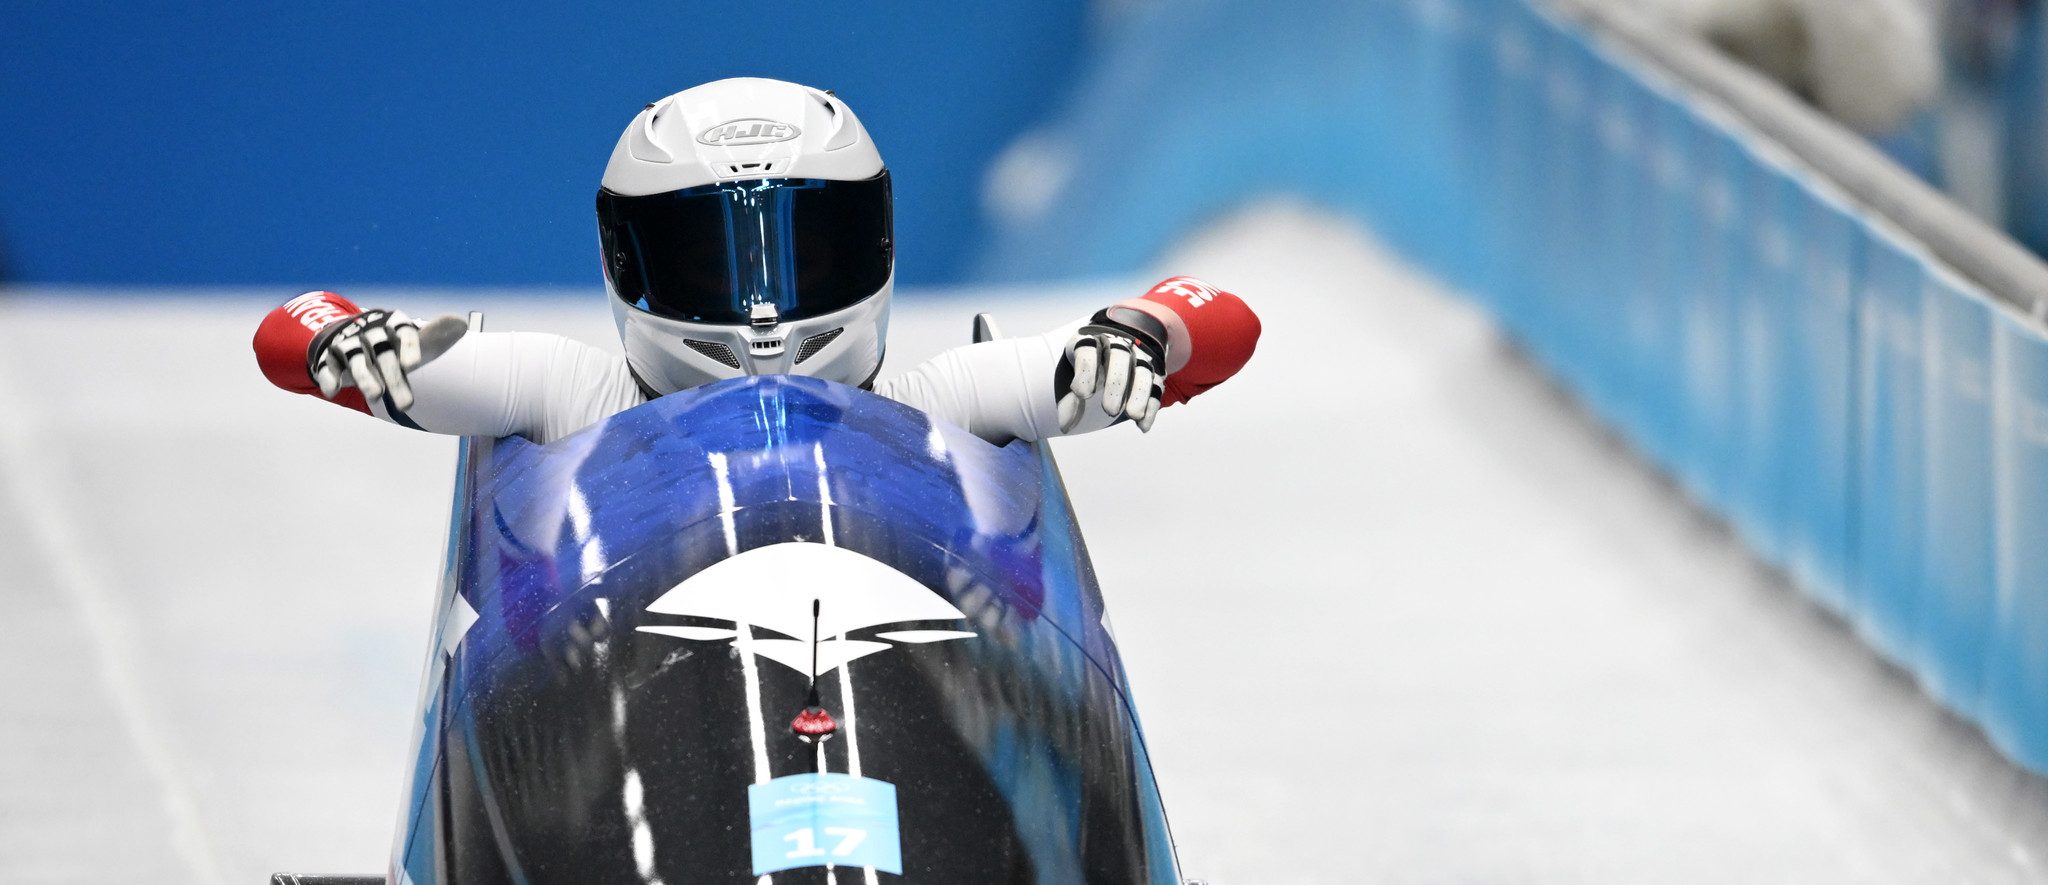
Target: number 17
point(807, 845)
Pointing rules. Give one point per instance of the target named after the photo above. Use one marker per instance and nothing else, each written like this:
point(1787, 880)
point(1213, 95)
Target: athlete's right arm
point(381, 363)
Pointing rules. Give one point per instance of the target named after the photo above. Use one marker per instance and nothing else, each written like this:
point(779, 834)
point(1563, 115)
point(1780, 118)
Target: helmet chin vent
point(714, 350)
point(815, 343)
point(768, 347)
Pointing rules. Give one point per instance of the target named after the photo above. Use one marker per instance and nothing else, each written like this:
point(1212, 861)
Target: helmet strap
point(645, 389)
point(869, 385)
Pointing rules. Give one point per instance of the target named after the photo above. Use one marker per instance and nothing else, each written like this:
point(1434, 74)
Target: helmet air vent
point(641, 141)
point(815, 343)
point(842, 134)
point(765, 347)
point(714, 350)
point(757, 167)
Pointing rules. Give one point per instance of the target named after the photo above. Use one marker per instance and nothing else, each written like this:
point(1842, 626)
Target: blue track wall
point(1866, 420)
point(313, 145)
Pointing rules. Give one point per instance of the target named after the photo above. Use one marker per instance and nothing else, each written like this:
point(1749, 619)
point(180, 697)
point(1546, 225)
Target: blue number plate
point(815, 820)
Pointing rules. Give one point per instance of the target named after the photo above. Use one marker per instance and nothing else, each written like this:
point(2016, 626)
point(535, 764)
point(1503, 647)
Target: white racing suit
point(544, 386)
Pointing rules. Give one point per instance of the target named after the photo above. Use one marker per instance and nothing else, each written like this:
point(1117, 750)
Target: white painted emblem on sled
point(773, 587)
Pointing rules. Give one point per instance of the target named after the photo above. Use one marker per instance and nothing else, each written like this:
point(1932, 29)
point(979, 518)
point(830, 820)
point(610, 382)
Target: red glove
point(1210, 334)
point(285, 339)
point(321, 343)
point(1140, 355)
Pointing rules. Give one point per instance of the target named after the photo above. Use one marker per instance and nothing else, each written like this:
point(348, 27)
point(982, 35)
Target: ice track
point(1395, 611)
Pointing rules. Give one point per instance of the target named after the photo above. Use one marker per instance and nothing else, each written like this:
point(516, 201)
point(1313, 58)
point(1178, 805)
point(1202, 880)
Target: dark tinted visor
point(708, 254)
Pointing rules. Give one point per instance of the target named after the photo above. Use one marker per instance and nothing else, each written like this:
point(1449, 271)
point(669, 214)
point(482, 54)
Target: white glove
point(1117, 361)
point(374, 350)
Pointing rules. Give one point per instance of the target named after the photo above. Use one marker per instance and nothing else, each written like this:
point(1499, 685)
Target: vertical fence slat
point(2016, 665)
point(1668, 144)
point(1958, 531)
point(1764, 347)
point(1822, 373)
point(1709, 319)
point(1886, 586)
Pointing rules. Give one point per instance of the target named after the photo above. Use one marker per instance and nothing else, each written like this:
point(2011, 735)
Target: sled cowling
point(633, 616)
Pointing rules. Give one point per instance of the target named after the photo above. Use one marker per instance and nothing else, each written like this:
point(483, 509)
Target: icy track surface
point(1395, 612)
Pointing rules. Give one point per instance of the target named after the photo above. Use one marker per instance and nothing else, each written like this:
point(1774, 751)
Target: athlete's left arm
point(1126, 362)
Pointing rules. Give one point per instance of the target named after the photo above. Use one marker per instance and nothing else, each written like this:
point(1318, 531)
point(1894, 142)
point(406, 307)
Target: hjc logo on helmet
point(751, 130)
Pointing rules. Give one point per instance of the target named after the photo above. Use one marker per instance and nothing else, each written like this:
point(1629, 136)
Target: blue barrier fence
point(1866, 419)
point(1869, 421)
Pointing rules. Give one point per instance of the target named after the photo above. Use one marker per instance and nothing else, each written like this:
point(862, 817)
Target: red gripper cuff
point(1221, 329)
point(287, 332)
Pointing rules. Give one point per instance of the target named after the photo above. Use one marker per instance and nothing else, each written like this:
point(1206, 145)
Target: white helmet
point(746, 231)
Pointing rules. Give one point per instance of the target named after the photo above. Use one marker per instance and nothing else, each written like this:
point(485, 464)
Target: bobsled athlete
point(746, 230)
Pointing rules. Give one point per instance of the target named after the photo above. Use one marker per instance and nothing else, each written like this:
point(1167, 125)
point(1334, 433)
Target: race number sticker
point(815, 820)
